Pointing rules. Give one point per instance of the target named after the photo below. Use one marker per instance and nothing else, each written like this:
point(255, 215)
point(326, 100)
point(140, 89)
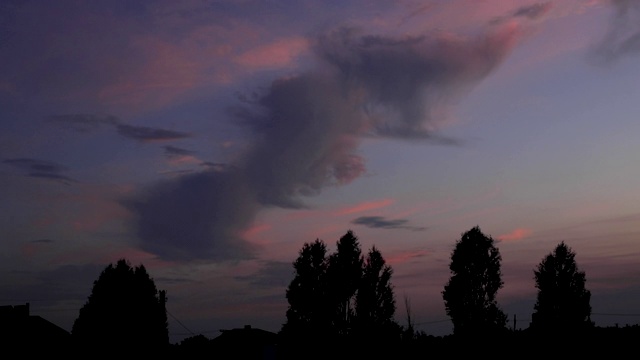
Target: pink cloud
point(183, 160)
point(254, 231)
point(278, 54)
point(96, 209)
point(366, 206)
point(515, 235)
point(406, 256)
point(164, 72)
point(7, 87)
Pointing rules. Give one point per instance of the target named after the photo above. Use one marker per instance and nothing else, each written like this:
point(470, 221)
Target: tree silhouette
point(470, 294)
point(344, 275)
point(125, 311)
point(341, 295)
point(309, 311)
point(375, 304)
point(562, 302)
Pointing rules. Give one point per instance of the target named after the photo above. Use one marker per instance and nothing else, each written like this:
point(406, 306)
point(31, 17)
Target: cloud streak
point(534, 11)
point(40, 169)
point(147, 134)
point(85, 123)
point(304, 131)
point(623, 36)
point(380, 222)
point(366, 206)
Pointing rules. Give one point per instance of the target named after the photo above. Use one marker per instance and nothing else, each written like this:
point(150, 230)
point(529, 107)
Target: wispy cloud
point(381, 222)
point(623, 36)
point(176, 151)
point(534, 11)
point(271, 274)
point(148, 134)
point(217, 167)
point(90, 122)
point(83, 122)
point(43, 241)
point(406, 256)
point(278, 54)
point(366, 206)
point(528, 12)
point(178, 156)
point(41, 169)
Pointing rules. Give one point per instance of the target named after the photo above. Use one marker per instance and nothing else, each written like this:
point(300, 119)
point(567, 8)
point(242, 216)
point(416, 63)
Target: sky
point(210, 140)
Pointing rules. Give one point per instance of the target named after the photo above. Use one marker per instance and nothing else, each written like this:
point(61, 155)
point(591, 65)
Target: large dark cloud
point(198, 216)
point(304, 134)
point(404, 85)
point(623, 35)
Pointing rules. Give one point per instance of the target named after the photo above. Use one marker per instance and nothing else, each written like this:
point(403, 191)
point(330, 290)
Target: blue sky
point(209, 140)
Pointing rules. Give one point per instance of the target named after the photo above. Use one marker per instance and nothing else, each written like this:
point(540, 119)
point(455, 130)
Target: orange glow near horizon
point(515, 235)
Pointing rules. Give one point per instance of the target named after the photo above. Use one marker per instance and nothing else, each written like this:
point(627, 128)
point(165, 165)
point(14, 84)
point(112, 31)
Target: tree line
point(348, 297)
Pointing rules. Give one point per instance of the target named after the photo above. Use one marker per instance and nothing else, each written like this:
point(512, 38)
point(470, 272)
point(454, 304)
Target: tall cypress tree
point(375, 300)
point(344, 275)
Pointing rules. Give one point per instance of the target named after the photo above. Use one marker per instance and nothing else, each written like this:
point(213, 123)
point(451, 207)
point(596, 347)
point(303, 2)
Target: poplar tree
point(375, 301)
point(344, 276)
point(309, 311)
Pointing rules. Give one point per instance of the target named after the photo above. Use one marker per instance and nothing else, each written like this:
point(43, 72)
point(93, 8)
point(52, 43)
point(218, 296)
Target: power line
point(612, 314)
point(432, 322)
point(181, 324)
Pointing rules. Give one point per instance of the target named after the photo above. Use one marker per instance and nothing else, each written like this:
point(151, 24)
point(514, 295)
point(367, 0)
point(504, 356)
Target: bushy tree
point(470, 295)
point(309, 311)
point(563, 302)
point(124, 311)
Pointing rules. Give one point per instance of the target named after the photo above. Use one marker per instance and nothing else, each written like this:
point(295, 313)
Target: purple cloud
point(304, 133)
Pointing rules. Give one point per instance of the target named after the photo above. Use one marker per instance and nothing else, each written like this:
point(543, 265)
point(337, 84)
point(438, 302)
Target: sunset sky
point(209, 140)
